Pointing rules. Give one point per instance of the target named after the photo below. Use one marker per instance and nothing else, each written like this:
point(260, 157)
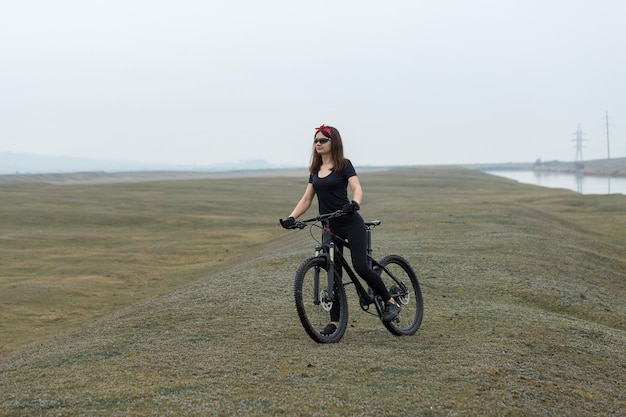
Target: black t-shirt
point(332, 190)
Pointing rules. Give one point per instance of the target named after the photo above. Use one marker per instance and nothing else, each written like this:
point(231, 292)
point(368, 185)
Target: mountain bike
point(319, 287)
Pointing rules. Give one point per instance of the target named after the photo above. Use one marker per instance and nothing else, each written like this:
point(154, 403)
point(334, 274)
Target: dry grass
point(74, 252)
point(524, 290)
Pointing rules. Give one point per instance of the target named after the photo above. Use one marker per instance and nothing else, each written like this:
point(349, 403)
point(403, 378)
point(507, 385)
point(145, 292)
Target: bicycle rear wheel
point(312, 303)
point(405, 289)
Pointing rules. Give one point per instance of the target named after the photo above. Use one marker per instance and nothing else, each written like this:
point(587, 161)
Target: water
point(583, 184)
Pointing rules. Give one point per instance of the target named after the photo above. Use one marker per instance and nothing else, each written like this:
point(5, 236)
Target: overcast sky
point(406, 82)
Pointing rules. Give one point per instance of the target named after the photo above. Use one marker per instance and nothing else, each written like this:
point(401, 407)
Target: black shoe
point(390, 312)
point(328, 330)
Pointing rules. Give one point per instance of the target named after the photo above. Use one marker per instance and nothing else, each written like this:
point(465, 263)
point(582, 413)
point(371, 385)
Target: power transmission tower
point(608, 146)
point(579, 162)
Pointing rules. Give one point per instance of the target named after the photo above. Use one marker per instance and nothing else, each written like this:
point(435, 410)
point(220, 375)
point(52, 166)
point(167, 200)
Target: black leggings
point(352, 228)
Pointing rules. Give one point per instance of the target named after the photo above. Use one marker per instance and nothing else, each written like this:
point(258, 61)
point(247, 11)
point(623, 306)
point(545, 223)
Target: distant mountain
point(25, 163)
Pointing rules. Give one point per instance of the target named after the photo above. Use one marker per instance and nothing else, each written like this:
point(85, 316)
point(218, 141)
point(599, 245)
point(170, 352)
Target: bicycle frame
point(331, 252)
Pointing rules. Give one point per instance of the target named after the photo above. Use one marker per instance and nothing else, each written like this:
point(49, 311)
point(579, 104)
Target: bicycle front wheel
point(404, 287)
point(313, 303)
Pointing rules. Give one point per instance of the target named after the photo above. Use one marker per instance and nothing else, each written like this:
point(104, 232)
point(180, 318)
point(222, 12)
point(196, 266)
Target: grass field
point(175, 298)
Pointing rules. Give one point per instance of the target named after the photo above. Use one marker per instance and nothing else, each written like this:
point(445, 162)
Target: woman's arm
point(355, 186)
point(304, 203)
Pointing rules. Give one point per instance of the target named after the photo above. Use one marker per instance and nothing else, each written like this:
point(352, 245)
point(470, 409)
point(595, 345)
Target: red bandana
point(326, 130)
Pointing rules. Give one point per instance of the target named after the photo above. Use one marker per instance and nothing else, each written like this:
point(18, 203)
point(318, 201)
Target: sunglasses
point(321, 140)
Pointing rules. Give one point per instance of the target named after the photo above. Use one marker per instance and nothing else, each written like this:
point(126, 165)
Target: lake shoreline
point(602, 167)
point(615, 167)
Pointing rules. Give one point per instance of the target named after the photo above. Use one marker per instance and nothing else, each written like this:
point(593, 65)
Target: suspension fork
point(331, 271)
point(330, 259)
point(316, 278)
point(327, 239)
point(331, 277)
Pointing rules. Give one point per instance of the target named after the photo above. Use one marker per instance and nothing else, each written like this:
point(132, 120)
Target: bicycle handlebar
point(301, 224)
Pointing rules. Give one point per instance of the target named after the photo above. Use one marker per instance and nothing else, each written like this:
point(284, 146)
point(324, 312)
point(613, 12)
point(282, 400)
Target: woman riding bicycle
point(330, 173)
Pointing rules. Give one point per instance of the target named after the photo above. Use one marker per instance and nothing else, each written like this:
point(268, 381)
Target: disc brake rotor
point(402, 299)
point(326, 302)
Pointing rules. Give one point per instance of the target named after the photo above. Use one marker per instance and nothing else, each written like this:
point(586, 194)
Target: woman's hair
point(339, 160)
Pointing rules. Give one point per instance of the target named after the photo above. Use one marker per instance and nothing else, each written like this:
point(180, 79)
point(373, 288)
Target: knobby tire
point(314, 317)
point(412, 311)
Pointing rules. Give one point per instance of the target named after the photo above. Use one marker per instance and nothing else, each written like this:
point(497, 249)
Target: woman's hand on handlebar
point(289, 223)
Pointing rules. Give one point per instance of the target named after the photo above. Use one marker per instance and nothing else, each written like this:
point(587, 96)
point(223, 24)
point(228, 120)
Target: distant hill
point(25, 163)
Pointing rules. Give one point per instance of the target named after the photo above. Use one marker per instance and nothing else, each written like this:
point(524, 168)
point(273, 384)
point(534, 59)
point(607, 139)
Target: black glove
point(351, 207)
point(289, 223)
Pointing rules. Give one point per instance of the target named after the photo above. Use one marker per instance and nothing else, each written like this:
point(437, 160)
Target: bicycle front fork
point(330, 292)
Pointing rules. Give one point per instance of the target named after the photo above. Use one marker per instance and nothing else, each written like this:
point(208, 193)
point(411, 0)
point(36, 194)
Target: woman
point(330, 174)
